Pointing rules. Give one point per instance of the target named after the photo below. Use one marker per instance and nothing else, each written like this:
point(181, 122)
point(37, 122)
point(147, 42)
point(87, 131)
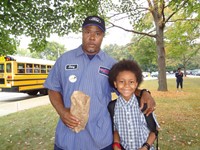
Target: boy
point(130, 127)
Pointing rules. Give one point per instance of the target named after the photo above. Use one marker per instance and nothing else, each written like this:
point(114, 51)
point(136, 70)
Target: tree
point(182, 45)
point(23, 52)
point(144, 53)
point(52, 51)
point(7, 47)
point(161, 14)
point(118, 52)
point(39, 18)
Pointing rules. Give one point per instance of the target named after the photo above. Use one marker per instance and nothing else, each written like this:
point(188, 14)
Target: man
point(85, 69)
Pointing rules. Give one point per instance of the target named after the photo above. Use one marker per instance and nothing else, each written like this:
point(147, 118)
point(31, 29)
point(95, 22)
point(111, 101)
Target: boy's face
point(126, 83)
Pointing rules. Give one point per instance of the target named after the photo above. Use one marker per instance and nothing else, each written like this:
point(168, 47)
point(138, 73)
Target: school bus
point(24, 74)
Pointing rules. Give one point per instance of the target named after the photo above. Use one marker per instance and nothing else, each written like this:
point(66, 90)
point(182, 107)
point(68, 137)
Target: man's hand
point(64, 113)
point(68, 119)
point(148, 99)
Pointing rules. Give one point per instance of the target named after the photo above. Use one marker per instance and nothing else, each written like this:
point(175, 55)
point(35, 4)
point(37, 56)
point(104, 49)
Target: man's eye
point(86, 32)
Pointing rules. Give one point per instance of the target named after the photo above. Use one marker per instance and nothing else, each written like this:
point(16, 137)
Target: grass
point(31, 129)
point(177, 112)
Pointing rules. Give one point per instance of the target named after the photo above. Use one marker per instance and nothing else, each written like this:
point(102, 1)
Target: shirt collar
point(131, 102)
point(80, 52)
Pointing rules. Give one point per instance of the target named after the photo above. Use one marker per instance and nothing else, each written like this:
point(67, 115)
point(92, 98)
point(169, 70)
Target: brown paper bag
point(80, 105)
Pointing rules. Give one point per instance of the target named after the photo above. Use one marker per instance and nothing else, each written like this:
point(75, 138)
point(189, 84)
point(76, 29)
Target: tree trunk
point(184, 65)
point(162, 80)
point(160, 25)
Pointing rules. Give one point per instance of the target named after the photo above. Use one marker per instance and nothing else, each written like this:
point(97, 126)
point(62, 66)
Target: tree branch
point(133, 31)
point(184, 19)
point(170, 16)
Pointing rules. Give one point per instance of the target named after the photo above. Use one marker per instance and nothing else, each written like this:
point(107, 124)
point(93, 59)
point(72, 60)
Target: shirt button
point(131, 140)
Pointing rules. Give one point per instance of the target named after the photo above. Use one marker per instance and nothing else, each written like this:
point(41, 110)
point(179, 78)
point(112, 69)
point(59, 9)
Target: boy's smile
point(126, 84)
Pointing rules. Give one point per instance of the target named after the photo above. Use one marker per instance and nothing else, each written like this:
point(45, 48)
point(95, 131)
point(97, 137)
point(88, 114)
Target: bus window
point(1, 68)
point(43, 68)
point(20, 68)
point(48, 68)
point(8, 68)
point(36, 68)
point(29, 68)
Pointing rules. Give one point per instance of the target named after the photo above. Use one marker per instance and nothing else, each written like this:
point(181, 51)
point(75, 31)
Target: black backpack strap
point(111, 107)
point(151, 123)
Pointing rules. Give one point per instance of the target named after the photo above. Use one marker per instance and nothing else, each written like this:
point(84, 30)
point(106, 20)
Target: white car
point(154, 74)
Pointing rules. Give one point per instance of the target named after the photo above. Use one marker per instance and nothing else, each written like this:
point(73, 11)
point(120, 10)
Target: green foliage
point(9, 44)
point(144, 52)
point(51, 52)
point(145, 23)
point(23, 52)
point(118, 52)
point(181, 43)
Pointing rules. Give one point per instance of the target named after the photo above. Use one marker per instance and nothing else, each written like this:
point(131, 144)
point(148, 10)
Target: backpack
point(151, 123)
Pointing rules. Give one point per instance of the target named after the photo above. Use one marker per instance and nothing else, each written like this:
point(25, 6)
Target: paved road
point(13, 102)
point(6, 97)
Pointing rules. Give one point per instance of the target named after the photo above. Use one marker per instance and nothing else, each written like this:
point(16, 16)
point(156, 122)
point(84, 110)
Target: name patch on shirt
point(103, 70)
point(71, 67)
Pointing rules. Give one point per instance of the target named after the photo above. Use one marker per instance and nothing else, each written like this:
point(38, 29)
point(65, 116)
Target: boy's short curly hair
point(125, 65)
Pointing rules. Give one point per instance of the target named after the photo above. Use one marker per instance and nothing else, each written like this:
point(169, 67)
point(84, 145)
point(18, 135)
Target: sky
point(71, 41)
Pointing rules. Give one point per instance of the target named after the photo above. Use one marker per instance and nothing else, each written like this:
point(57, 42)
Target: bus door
point(6, 74)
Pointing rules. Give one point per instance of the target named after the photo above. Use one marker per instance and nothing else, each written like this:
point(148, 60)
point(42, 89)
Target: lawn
point(177, 112)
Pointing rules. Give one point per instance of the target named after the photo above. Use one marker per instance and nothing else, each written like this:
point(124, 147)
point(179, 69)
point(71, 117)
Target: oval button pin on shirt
point(72, 78)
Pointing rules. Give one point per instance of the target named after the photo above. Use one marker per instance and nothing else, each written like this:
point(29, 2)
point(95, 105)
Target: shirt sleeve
point(53, 81)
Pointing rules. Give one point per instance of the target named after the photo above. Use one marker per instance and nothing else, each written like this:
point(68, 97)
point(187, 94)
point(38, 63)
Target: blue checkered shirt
point(130, 123)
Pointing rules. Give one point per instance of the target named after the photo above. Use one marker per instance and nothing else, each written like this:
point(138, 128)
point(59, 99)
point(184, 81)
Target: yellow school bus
point(24, 74)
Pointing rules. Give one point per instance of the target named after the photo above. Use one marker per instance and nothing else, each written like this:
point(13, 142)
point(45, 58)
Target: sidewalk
point(16, 106)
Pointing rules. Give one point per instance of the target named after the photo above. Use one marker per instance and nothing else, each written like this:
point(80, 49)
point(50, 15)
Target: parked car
point(154, 74)
point(195, 72)
point(145, 74)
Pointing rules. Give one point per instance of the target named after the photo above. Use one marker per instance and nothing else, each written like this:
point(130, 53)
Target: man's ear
point(115, 84)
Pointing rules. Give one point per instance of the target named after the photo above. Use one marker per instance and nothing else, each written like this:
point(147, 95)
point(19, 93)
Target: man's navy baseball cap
point(96, 21)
